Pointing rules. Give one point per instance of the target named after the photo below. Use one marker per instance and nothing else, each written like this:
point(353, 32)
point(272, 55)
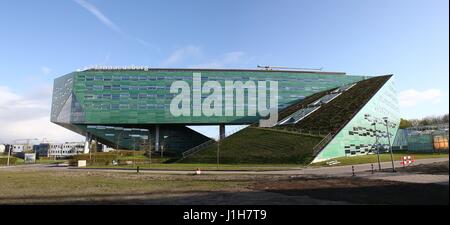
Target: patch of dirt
point(359, 190)
point(437, 168)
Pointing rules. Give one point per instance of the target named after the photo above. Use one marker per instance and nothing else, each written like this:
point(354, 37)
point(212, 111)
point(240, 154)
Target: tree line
point(426, 121)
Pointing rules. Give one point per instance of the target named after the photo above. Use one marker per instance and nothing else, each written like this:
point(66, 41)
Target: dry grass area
point(67, 186)
point(34, 186)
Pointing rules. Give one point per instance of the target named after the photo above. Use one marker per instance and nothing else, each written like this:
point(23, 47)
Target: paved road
point(360, 169)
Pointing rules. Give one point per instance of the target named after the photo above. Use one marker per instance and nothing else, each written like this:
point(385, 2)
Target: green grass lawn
point(207, 166)
point(385, 157)
point(343, 161)
point(50, 161)
point(259, 146)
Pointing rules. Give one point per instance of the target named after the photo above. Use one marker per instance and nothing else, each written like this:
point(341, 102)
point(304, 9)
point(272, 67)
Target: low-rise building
point(60, 150)
point(19, 148)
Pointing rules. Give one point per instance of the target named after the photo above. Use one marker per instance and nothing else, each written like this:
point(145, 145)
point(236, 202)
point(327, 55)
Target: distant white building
point(2, 148)
point(19, 148)
point(58, 150)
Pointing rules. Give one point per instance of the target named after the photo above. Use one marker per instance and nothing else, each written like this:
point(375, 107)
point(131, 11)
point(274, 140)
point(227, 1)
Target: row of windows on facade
point(66, 146)
point(155, 77)
point(143, 106)
point(106, 106)
point(167, 96)
point(125, 106)
point(101, 127)
point(64, 151)
point(118, 87)
point(124, 96)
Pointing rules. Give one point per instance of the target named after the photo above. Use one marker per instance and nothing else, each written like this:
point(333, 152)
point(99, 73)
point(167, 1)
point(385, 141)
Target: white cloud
point(99, 15)
point(28, 116)
point(45, 70)
point(181, 54)
point(109, 23)
point(412, 97)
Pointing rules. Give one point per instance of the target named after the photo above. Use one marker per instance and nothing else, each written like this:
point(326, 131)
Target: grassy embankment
point(385, 157)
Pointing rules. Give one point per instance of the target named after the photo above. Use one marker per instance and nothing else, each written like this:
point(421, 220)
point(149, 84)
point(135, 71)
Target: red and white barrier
point(407, 160)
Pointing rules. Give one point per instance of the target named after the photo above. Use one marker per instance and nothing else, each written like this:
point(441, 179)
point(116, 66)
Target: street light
point(374, 123)
point(386, 123)
point(118, 139)
point(218, 152)
point(377, 144)
point(9, 154)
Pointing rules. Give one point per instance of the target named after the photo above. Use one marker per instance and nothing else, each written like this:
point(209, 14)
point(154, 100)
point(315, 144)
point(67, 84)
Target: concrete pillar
point(222, 131)
point(157, 138)
point(87, 143)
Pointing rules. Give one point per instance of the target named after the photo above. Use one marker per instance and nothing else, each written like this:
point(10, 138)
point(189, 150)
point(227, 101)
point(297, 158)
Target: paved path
point(330, 171)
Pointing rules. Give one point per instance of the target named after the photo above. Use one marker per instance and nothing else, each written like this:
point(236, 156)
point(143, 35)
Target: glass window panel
point(124, 96)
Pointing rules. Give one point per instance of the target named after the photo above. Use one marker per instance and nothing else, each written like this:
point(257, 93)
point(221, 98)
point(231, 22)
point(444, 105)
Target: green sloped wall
point(357, 136)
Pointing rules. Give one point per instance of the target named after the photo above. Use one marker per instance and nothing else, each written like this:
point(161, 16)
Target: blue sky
point(43, 40)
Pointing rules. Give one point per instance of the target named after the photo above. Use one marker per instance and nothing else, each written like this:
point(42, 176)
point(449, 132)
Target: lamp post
point(374, 123)
point(9, 154)
point(218, 152)
point(118, 140)
point(377, 144)
point(386, 122)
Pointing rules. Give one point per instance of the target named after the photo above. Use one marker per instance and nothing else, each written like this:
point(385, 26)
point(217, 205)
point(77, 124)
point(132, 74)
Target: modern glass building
point(124, 108)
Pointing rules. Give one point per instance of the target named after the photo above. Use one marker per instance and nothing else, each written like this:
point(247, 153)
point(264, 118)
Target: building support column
point(87, 143)
point(157, 138)
point(221, 131)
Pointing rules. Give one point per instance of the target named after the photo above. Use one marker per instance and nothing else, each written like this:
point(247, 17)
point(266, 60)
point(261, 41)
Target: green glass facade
point(358, 136)
point(140, 99)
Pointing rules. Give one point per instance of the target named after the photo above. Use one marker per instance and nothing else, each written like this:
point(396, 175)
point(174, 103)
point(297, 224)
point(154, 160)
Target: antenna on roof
point(289, 68)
